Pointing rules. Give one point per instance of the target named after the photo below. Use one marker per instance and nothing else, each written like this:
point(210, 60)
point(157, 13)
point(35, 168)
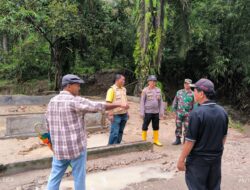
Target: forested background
point(174, 39)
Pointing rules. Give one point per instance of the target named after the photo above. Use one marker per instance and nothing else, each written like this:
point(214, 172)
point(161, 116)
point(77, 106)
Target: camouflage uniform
point(182, 105)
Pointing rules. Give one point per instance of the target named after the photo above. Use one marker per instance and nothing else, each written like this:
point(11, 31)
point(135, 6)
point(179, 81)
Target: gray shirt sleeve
point(142, 103)
point(162, 107)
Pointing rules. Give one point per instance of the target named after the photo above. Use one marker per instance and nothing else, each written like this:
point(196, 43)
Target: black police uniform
point(208, 126)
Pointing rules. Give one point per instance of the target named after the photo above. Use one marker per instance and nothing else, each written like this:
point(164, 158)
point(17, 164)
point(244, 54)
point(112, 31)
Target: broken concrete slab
point(93, 153)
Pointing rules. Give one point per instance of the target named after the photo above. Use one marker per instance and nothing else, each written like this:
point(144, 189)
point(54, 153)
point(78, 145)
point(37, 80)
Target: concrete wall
point(24, 100)
point(24, 125)
point(36, 100)
point(93, 153)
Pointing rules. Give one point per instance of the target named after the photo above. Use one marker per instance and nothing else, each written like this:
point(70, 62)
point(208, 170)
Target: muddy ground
point(235, 167)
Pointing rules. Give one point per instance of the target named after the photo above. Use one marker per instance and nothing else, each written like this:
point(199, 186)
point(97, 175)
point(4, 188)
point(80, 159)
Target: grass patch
point(236, 125)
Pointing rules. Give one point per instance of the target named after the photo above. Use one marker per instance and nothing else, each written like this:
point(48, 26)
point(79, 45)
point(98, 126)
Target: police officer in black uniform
point(206, 135)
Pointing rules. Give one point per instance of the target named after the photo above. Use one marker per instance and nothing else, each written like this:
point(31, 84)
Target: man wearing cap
point(182, 105)
point(205, 139)
point(65, 123)
point(151, 109)
point(118, 116)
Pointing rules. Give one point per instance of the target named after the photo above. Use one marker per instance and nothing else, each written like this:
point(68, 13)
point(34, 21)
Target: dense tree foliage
point(174, 39)
point(77, 36)
point(218, 46)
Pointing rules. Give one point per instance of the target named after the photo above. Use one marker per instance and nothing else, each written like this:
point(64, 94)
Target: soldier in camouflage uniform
point(182, 105)
point(151, 109)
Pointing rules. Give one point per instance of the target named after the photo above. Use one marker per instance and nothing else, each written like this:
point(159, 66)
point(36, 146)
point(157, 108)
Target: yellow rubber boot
point(144, 135)
point(156, 138)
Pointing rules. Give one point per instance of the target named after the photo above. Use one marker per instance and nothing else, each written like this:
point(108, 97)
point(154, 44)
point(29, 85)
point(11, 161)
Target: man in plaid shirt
point(65, 123)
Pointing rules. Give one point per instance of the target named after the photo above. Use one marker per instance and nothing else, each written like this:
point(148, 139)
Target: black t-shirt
point(208, 125)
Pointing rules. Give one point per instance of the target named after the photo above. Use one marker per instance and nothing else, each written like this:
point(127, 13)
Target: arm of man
point(188, 146)
point(162, 108)
point(142, 103)
point(110, 95)
point(109, 106)
point(225, 130)
point(175, 103)
point(191, 136)
point(86, 105)
point(109, 100)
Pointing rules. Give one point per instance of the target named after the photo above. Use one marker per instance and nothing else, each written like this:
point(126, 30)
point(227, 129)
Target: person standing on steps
point(182, 106)
point(65, 123)
point(118, 116)
point(151, 109)
point(205, 139)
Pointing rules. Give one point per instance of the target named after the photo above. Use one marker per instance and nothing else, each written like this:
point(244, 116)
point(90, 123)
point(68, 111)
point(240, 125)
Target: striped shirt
point(65, 123)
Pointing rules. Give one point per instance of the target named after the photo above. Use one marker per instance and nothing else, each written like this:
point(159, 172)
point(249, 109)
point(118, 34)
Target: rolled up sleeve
point(142, 103)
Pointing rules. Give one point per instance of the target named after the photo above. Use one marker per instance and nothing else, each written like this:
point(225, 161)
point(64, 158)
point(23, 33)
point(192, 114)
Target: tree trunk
point(150, 39)
point(139, 86)
point(60, 53)
point(5, 43)
point(56, 61)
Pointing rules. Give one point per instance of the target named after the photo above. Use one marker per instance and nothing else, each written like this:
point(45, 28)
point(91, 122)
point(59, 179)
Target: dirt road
point(235, 167)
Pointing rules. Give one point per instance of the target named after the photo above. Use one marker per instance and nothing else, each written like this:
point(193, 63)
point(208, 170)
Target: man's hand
point(181, 165)
point(141, 116)
point(125, 106)
point(111, 118)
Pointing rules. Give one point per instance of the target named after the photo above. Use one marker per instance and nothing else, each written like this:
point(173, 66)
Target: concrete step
point(93, 153)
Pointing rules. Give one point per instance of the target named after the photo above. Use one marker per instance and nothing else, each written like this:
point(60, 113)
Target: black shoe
point(177, 141)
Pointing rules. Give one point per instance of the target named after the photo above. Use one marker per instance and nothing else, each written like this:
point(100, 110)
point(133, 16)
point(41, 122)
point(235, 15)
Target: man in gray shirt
point(152, 109)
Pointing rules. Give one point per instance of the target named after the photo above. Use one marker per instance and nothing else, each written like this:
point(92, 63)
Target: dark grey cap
point(205, 85)
point(71, 79)
point(152, 78)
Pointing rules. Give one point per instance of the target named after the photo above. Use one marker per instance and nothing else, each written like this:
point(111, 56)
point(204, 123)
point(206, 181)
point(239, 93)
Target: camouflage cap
point(152, 78)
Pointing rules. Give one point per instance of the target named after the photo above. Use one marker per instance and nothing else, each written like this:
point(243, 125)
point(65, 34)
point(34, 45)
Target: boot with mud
point(177, 141)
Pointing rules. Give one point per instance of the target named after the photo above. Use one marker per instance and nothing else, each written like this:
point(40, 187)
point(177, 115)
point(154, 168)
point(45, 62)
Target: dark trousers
point(203, 174)
point(154, 117)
